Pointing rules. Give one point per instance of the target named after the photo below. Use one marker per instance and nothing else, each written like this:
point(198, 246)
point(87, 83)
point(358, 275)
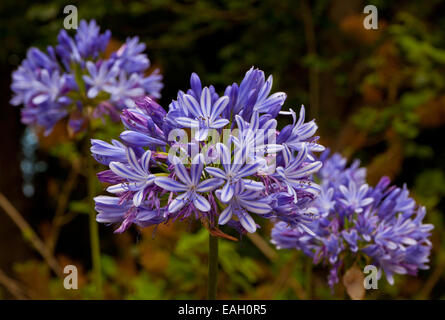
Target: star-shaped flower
point(233, 172)
point(295, 170)
point(189, 185)
point(99, 77)
point(205, 114)
point(137, 174)
point(355, 199)
point(243, 202)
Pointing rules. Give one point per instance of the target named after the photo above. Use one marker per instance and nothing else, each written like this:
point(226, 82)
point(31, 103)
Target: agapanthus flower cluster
point(75, 75)
point(378, 225)
point(219, 159)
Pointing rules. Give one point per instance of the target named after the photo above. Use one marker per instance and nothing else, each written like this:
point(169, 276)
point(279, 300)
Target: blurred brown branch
point(264, 247)
point(59, 218)
point(12, 286)
point(29, 234)
point(284, 279)
point(433, 279)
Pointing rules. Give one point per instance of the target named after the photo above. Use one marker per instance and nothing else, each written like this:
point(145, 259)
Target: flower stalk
point(213, 267)
point(94, 226)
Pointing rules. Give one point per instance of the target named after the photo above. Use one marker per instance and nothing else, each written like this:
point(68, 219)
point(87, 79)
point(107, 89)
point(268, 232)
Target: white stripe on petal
point(192, 105)
point(206, 102)
point(253, 185)
point(248, 170)
point(176, 205)
point(225, 215)
point(117, 188)
point(219, 107)
point(201, 203)
point(257, 207)
point(145, 159)
point(227, 192)
point(187, 122)
point(219, 123)
point(196, 168)
point(138, 197)
point(170, 184)
point(107, 200)
point(247, 222)
point(216, 172)
point(201, 134)
point(305, 171)
point(224, 154)
point(123, 171)
point(209, 185)
point(133, 161)
point(181, 172)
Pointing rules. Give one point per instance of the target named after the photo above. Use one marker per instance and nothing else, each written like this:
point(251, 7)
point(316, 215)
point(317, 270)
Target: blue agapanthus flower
point(382, 224)
point(210, 157)
point(76, 74)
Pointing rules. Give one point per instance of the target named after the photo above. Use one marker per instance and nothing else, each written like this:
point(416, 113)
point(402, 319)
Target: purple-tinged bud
point(138, 139)
point(247, 111)
point(152, 109)
point(284, 134)
point(108, 176)
point(195, 84)
point(232, 93)
point(135, 121)
point(104, 152)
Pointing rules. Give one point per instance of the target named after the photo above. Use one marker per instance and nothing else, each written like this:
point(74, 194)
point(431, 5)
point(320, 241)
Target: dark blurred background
point(377, 95)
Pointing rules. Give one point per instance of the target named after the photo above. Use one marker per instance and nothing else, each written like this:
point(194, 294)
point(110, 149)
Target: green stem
point(94, 226)
point(213, 267)
point(308, 275)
